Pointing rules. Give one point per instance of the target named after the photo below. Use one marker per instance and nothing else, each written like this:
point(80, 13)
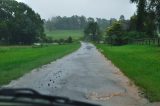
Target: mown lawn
point(139, 63)
point(58, 34)
point(16, 61)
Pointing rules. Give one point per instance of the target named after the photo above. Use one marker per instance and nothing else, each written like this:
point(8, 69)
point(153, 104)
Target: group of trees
point(19, 24)
point(115, 31)
point(73, 22)
point(143, 24)
point(63, 41)
point(148, 16)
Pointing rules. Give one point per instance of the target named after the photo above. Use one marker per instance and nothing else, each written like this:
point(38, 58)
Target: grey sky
point(89, 8)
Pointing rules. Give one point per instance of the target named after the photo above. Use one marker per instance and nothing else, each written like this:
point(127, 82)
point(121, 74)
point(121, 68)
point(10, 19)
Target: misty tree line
point(19, 24)
point(73, 22)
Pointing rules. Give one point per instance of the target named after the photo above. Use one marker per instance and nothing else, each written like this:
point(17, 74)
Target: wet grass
point(58, 34)
point(139, 63)
point(15, 61)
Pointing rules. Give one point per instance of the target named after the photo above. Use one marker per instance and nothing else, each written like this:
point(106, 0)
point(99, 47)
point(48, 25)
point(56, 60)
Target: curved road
point(84, 75)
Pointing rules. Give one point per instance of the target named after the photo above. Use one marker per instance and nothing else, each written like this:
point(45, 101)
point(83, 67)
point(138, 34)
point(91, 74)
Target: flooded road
point(84, 75)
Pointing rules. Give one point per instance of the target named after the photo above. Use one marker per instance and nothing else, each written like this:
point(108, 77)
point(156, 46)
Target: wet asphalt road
point(84, 75)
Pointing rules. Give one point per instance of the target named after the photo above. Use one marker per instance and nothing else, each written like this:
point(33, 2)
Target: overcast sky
point(89, 8)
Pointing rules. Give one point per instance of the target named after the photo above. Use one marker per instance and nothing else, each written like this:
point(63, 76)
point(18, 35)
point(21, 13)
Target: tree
point(148, 14)
point(92, 31)
point(112, 21)
point(150, 25)
point(115, 34)
point(20, 22)
point(83, 21)
point(140, 14)
point(133, 24)
point(4, 33)
point(103, 23)
point(122, 18)
point(69, 40)
point(90, 19)
point(154, 6)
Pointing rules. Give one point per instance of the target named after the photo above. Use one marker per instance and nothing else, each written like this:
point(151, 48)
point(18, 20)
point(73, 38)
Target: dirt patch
point(103, 96)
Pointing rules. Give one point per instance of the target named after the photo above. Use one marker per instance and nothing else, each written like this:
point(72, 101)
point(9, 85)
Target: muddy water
point(84, 75)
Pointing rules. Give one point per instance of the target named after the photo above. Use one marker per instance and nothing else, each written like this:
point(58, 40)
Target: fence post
point(154, 41)
point(149, 41)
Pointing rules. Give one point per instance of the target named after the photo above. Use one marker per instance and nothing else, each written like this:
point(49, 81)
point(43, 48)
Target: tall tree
point(141, 4)
point(115, 34)
point(122, 18)
point(92, 31)
point(155, 6)
point(19, 23)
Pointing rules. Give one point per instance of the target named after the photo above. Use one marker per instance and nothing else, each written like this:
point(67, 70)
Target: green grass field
point(58, 34)
point(16, 61)
point(139, 63)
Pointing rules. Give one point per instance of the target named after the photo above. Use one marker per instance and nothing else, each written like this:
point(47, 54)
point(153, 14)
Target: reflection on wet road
point(83, 75)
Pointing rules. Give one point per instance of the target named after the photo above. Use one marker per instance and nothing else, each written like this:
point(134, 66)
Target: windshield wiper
point(29, 96)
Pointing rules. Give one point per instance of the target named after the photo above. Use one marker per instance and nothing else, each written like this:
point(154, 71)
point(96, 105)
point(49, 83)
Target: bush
point(116, 40)
point(132, 35)
point(61, 41)
point(125, 37)
point(48, 39)
point(136, 35)
point(69, 40)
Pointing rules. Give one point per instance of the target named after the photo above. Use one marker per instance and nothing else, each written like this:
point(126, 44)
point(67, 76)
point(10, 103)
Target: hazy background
point(89, 8)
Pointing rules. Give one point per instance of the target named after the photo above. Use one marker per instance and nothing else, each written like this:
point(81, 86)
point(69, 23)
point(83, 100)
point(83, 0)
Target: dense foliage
point(154, 6)
point(19, 24)
point(115, 34)
point(148, 16)
point(144, 24)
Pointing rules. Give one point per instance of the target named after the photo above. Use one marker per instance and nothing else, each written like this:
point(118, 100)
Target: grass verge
point(16, 61)
point(139, 63)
